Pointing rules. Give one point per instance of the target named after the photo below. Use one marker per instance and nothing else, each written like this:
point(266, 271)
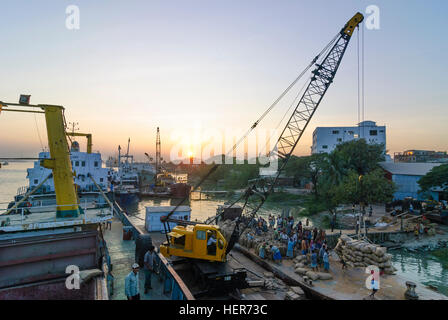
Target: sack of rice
point(301, 271)
point(324, 276)
point(312, 275)
point(380, 251)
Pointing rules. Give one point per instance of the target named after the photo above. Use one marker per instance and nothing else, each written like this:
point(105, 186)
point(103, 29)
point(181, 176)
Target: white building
point(325, 139)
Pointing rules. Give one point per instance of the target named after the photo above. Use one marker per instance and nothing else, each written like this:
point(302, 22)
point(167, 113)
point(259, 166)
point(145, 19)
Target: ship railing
point(47, 213)
point(22, 190)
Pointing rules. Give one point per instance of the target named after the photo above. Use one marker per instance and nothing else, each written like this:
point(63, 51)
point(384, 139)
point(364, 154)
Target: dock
point(346, 284)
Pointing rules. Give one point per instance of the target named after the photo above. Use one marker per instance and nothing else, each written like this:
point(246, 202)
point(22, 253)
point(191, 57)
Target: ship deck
point(122, 254)
point(48, 219)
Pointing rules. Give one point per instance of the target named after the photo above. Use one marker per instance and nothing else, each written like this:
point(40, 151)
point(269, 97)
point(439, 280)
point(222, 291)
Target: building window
point(95, 163)
point(325, 147)
point(339, 139)
point(373, 132)
point(381, 131)
point(355, 136)
point(335, 131)
point(350, 132)
point(36, 181)
point(101, 179)
point(83, 163)
point(76, 163)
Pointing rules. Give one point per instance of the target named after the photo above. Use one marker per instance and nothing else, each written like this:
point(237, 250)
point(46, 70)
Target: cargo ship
point(83, 164)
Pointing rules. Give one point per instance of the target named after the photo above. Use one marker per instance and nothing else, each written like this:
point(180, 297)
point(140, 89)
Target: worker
point(149, 267)
point(290, 251)
point(321, 254)
point(357, 224)
point(416, 232)
point(271, 221)
point(304, 247)
point(343, 263)
point(314, 266)
point(370, 210)
point(374, 285)
point(333, 221)
point(262, 251)
point(326, 260)
point(211, 244)
point(131, 284)
point(421, 228)
point(277, 256)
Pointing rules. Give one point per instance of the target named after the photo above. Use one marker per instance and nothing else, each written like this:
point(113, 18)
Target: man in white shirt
point(131, 284)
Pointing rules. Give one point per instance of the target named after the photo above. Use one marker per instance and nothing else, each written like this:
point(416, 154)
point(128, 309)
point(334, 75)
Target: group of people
point(310, 242)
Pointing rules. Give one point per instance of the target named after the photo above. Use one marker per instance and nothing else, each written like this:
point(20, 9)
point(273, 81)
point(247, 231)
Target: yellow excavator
point(206, 242)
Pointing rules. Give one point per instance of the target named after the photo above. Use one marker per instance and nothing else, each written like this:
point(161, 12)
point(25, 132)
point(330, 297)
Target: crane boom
point(322, 77)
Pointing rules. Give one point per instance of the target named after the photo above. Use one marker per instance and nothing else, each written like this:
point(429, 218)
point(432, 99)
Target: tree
point(358, 155)
point(306, 169)
point(437, 177)
point(372, 187)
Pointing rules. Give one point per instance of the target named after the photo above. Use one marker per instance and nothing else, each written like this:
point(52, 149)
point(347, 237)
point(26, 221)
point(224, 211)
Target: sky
point(189, 65)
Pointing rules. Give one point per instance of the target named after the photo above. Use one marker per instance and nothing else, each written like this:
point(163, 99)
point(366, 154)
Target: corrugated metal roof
point(410, 169)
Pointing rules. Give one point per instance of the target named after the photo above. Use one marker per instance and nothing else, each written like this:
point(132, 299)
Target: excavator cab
point(201, 241)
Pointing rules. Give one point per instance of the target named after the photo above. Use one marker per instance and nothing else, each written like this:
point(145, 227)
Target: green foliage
point(358, 155)
point(284, 197)
point(370, 188)
point(336, 177)
point(437, 177)
point(312, 206)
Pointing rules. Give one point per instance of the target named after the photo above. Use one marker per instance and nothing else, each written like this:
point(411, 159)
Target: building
point(406, 177)
point(421, 156)
point(325, 139)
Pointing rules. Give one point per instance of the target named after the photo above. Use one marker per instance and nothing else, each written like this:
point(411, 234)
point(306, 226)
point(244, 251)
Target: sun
point(190, 153)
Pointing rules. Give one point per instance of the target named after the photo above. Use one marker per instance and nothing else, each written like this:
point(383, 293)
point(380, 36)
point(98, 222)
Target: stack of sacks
point(359, 253)
point(258, 241)
point(301, 267)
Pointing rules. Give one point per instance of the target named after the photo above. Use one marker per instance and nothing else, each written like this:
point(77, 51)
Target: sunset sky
point(185, 65)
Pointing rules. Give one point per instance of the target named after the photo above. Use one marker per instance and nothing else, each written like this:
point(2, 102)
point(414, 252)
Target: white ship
point(83, 165)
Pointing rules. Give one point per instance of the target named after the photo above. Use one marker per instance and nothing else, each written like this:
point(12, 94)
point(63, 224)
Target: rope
point(38, 132)
point(362, 70)
point(255, 124)
point(359, 93)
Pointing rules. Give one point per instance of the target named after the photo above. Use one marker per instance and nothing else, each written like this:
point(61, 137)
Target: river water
point(423, 267)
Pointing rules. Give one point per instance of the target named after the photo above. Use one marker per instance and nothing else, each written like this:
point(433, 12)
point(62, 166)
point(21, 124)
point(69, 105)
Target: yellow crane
point(193, 241)
point(59, 162)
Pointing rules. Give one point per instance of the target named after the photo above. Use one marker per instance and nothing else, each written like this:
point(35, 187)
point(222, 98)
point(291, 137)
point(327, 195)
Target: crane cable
point(254, 125)
point(361, 94)
point(362, 73)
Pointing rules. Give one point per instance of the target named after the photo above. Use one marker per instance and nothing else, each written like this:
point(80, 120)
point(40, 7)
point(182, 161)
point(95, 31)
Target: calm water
point(422, 267)
point(12, 177)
